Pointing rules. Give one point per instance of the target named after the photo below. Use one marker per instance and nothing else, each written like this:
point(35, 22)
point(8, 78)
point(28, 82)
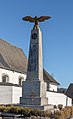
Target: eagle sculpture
point(36, 19)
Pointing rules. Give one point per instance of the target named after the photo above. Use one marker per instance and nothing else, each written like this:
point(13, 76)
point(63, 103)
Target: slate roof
point(48, 78)
point(12, 58)
point(69, 91)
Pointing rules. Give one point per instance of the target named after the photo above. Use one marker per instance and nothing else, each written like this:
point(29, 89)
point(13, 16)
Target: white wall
point(5, 94)
point(13, 76)
point(52, 87)
point(58, 98)
point(69, 101)
point(16, 94)
point(10, 94)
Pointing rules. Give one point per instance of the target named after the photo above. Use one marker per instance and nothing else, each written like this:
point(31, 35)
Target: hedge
point(26, 112)
point(64, 113)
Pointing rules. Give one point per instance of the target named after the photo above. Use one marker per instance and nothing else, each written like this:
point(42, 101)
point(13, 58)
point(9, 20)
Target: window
point(5, 78)
point(21, 79)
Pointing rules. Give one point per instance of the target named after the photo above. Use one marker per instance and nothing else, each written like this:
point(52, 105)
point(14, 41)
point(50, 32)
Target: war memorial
point(34, 88)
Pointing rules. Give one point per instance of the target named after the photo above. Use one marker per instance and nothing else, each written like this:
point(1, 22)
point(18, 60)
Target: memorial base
point(44, 107)
point(34, 101)
point(34, 93)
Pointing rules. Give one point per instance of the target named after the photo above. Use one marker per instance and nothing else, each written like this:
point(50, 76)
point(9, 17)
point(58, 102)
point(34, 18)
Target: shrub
point(60, 106)
point(64, 113)
point(55, 106)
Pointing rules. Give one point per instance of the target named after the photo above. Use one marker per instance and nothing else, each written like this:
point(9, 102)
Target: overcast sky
point(57, 32)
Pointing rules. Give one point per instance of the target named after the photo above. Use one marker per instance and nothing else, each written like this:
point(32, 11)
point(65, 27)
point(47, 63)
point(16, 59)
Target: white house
point(13, 67)
point(13, 70)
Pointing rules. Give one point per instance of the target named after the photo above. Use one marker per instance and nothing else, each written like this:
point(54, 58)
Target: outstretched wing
point(28, 18)
point(43, 18)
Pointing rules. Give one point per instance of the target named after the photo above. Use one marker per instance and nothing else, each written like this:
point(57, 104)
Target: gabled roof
point(12, 58)
point(48, 78)
point(69, 91)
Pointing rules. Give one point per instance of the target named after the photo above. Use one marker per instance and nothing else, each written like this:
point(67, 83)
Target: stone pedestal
point(34, 93)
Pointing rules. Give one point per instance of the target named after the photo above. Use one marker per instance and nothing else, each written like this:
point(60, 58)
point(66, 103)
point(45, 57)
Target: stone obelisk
point(34, 88)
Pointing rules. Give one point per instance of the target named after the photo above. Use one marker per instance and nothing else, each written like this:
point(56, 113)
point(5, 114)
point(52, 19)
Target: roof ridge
point(11, 44)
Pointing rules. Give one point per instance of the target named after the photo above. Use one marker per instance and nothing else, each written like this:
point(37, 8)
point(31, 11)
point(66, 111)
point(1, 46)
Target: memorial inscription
point(33, 57)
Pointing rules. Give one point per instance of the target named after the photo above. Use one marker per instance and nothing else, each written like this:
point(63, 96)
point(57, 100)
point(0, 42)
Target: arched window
point(21, 79)
point(5, 78)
